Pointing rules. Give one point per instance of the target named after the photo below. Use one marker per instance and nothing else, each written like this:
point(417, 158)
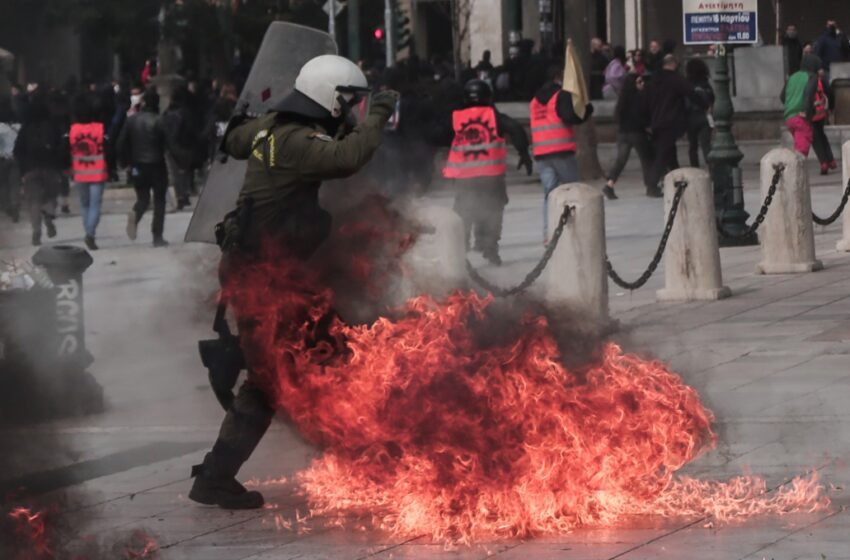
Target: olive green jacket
point(287, 162)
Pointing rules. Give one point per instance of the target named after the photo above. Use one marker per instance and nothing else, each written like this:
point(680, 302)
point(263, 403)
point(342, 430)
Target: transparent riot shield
point(285, 49)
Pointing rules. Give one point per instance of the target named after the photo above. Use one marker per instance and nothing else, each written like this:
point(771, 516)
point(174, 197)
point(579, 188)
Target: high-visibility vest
point(477, 149)
point(549, 134)
point(88, 163)
point(821, 103)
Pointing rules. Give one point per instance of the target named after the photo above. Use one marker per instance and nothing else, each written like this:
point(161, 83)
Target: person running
point(141, 146)
point(799, 96)
point(89, 171)
point(38, 153)
point(632, 123)
point(820, 142)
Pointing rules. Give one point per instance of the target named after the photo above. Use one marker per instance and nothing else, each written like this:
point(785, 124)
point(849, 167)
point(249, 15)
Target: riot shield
point(285, 49)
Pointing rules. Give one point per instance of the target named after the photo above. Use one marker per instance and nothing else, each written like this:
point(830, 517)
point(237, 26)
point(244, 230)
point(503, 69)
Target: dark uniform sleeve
point(240, 138)
point(317, 157)
point(514, 131)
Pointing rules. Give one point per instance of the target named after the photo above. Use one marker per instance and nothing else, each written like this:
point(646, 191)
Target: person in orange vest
point(553, 140)
point(478, 161)
point(820, 143)
point(87, 142)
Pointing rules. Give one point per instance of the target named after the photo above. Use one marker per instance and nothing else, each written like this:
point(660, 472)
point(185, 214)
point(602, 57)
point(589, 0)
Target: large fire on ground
point(431, 425)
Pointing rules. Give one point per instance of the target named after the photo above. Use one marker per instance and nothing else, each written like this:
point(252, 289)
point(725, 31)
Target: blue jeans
point(91, 198)
point(555, 170)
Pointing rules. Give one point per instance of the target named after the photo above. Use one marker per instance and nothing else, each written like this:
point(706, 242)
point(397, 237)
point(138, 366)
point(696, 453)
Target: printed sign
point(720, 21)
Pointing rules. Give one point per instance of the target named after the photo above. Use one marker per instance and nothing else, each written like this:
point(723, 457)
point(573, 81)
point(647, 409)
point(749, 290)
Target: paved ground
point(771, 362)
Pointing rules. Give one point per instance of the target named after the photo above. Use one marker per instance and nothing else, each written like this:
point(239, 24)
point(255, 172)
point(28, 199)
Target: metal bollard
point(844, 243)
point(692, 257)
point(576, 275)
point(65, 265)
point(787, 237)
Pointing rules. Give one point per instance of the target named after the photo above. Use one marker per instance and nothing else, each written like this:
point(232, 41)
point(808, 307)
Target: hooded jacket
point(799, 92)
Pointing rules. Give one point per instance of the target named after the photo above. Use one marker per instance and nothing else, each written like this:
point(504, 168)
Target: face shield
point(353, 103)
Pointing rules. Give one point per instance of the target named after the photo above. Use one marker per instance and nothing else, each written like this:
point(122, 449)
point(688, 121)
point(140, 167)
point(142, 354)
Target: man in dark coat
point(668, 117)
point(793, 49)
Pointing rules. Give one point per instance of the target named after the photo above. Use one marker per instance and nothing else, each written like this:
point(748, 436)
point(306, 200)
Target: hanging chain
point(535, 272)
point(659, 252)
point(778, 169)
point(834, 216)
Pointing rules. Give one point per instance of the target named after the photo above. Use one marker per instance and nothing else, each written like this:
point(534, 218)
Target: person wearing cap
point(477, 161)
point(304, 140)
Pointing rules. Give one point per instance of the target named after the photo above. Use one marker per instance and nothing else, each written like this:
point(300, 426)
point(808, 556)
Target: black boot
point(214, 486)
point(244, 425)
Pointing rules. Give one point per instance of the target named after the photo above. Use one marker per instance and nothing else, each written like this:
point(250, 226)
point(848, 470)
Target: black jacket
point(142, 140)
point(39, 145)
point(631, 112)
point(668, 91)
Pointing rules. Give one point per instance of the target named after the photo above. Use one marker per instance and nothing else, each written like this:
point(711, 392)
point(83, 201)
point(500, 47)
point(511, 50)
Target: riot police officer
point(304, 140)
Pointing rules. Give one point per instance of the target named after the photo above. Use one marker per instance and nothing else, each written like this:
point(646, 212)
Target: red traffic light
point(378, 33)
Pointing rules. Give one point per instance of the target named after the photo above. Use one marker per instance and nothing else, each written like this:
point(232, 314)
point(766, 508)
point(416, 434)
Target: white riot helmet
point(329, 81)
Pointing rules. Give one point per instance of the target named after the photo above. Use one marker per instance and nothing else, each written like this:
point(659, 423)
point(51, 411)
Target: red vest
point(549, 134)
point(88, 163)
point(821, 102)
point(477, 149)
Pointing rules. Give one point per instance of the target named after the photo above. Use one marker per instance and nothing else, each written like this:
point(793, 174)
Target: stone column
point(576, 274)
point(692, 257)
point(485, 31)
point(844, 243)
point(437, 261)
point(787, 237)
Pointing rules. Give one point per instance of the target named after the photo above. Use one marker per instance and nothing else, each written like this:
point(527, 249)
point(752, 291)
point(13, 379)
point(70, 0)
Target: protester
point(668, 118)
point(632, 123)
point(793, 48)
point(637, 63)
point(799, 96)
point(38, 153)
point(654, 57)
point(141, 146)
point(699, 126)
point(615, 74)
point(598, 63)
point(820, 143)
point(553, 115)
point(831, 46)
point(87, 141)
point(182, 140)
point(477, 161)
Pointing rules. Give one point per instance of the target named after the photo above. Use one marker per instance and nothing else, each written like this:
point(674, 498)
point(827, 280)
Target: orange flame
point(32, 527)
point(427, 429)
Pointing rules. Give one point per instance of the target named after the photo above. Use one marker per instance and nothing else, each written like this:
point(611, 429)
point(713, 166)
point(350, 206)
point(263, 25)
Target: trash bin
point(65, 265)
point(841, 97)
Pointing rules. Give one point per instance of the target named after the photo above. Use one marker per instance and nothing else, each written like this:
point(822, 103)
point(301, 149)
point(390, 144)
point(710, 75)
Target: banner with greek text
point(720, 21)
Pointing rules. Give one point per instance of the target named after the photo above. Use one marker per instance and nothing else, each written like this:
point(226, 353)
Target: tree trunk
point(578, 29)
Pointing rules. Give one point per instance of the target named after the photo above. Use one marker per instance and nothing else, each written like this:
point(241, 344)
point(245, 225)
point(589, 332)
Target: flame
point(32, 527)
point(428, 427)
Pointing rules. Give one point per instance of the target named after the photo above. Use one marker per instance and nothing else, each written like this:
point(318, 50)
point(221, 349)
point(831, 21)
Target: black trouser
point(480, 202)
point(625, 142)
point(664, 145)
point(41, 188)
point(820, 143)
point(699, 138)
point(182, 179)
point(10, 187)
point(252, 410)
point(149, 177)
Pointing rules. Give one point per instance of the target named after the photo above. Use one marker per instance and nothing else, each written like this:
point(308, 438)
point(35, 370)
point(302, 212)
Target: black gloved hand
point(525, 160)
point(383, 103)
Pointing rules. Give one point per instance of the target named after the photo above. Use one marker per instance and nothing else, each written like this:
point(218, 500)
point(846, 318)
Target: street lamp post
point(724, 158)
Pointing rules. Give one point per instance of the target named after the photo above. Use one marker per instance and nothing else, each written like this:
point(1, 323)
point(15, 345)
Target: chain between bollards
point(659, 252)
point(535, 272)
point(838, 211)
point(778, 169)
